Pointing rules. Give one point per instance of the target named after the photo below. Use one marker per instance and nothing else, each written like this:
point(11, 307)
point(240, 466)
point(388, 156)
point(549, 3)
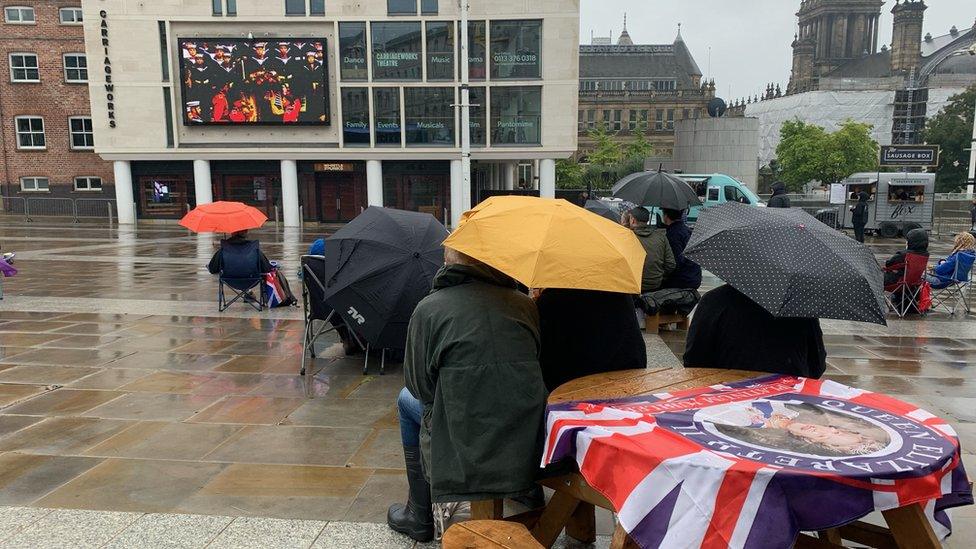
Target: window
point(75, 67)
point(34, 184)
point(355, 117)
point(670, 119)
point(316, 7)
point(659, 120)
point(516, 115)
point(477, 50)
point(733, 194)
point(163, 50)
point(712, 194)
point(30, 132)
point(590, 120)
point(606, 119)
point(218, 7)
point(231, 7)
point(70, 16)
point(476, 117)
point(295, 7)
point(386, 109)
point(352, 51)
point(396, 50)
point(440, 50)
point(168, 110)
point(579, 121)
point(88, 183)
point(24, 68)
point(20, 15)
point(617, 117)
point(429, 116)
point(428, 7)
point(401, 7)
point(82, 136)
point(515, 49)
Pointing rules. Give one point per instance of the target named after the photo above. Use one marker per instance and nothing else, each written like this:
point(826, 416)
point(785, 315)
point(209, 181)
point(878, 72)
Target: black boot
point(414, 519)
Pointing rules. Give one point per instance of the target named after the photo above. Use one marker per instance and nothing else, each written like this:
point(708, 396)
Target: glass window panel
point(476, 50)
point(70, 16)
point(516, 115)
point(75, 67)
point(386, 105)
point(401, 7)
point(429, 116)
point(440, 50)
point(217, 6)
point(396, 50)
point(352, 50)
point(231, 7)
point(294, 7)
point(515, 49)
point(428, 7)
point(316, 7)
point(476, 119)
point(82, 136)
point(355, 117)
point(24, 67)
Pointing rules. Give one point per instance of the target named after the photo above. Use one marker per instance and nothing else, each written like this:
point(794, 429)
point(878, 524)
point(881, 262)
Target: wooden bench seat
point(489, 534)
point(653, 323)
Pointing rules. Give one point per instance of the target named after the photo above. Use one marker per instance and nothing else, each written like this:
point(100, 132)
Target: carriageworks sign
point(109, 85)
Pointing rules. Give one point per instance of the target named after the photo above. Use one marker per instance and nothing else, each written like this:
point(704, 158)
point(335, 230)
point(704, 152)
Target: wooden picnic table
point(572, 506)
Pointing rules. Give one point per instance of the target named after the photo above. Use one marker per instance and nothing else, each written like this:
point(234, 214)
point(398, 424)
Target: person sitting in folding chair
point(241, 266)
point(951, 277)
point(904, 274)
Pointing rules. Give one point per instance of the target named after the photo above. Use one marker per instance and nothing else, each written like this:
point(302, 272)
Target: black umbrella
point(603, 208)
point(789, 263)
point(658, 188)
point(378, 267)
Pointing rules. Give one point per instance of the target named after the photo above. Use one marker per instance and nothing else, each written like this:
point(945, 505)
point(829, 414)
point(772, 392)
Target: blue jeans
point(410, 410)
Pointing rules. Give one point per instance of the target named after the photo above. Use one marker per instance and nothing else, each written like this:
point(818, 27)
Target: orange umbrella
point(223, 217)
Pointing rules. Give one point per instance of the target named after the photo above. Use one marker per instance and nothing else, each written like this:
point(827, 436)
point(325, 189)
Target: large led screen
point(244, 81)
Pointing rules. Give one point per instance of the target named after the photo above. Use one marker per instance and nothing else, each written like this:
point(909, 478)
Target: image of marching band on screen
point(243, 81)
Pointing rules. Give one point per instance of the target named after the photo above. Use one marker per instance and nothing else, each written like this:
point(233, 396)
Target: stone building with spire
point(839, 71)
point(626, 87)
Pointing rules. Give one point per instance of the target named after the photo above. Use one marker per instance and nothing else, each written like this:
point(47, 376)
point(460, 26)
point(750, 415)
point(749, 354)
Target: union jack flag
point(752, 464)
point(273, 289)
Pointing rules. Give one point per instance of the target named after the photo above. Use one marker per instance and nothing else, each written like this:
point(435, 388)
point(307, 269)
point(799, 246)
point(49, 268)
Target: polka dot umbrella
point(789, 263)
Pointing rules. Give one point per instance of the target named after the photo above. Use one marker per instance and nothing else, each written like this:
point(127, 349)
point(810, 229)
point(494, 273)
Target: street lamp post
point(465, 118)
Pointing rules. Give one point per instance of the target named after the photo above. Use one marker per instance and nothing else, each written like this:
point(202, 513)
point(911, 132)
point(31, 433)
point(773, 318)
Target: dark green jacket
point(472, 359)
point(659, 262)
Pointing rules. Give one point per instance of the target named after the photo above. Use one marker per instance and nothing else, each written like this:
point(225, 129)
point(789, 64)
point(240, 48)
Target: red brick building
point(46, 146)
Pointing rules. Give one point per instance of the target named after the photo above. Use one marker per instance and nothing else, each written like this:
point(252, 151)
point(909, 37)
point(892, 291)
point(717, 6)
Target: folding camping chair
point(316, 310)
point(948, 297)
point(903, 296)
point(241, 272)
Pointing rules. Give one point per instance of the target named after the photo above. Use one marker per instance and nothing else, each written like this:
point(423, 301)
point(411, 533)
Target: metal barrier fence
point(75, 209)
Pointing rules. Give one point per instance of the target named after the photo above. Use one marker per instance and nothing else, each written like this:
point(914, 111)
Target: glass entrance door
point(342, 196)
point(427, 193)
point(163, 198)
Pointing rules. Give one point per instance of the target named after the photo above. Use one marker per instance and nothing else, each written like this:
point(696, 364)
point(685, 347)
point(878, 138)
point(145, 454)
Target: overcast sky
point(749, 39)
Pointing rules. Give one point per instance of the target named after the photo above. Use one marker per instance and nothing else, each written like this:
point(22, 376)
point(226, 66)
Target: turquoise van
point(717, 188)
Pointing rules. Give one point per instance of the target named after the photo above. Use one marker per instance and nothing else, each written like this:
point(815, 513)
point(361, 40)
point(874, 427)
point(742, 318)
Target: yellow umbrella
point(545, 243)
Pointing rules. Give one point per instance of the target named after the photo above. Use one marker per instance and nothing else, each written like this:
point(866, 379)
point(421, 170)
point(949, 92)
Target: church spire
point(624, 39)
point(678, 38)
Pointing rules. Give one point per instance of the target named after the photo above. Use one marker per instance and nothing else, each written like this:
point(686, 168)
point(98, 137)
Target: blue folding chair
point(240, 271)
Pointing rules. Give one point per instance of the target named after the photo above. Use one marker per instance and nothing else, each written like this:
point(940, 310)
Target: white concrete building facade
point(312, 110)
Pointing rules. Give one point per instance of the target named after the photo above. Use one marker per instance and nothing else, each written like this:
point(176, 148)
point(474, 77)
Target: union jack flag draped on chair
point(753, 463)
point(273, 290)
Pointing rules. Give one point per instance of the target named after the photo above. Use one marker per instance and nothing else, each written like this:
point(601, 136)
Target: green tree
point(952, 129)
point(640, 147)
point(606, 151)
point(569, 174)
point(806, 152)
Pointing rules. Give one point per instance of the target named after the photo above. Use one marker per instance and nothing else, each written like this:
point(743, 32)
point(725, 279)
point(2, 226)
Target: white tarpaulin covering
point(939, 98)
point(824, 108)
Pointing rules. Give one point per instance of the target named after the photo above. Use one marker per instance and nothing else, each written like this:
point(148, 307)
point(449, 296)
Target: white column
point(123, 193)
point(972, 162)
point(510, 169)
point(534, 184)
point(289, 193)
point(374, 182)
point(457, 193)
point(547, 178)
point(201, 181)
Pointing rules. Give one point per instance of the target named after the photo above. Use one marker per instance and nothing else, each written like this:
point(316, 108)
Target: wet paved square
point(132, 412)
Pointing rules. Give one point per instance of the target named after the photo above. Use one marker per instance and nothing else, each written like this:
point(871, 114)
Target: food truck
point(898, 203)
